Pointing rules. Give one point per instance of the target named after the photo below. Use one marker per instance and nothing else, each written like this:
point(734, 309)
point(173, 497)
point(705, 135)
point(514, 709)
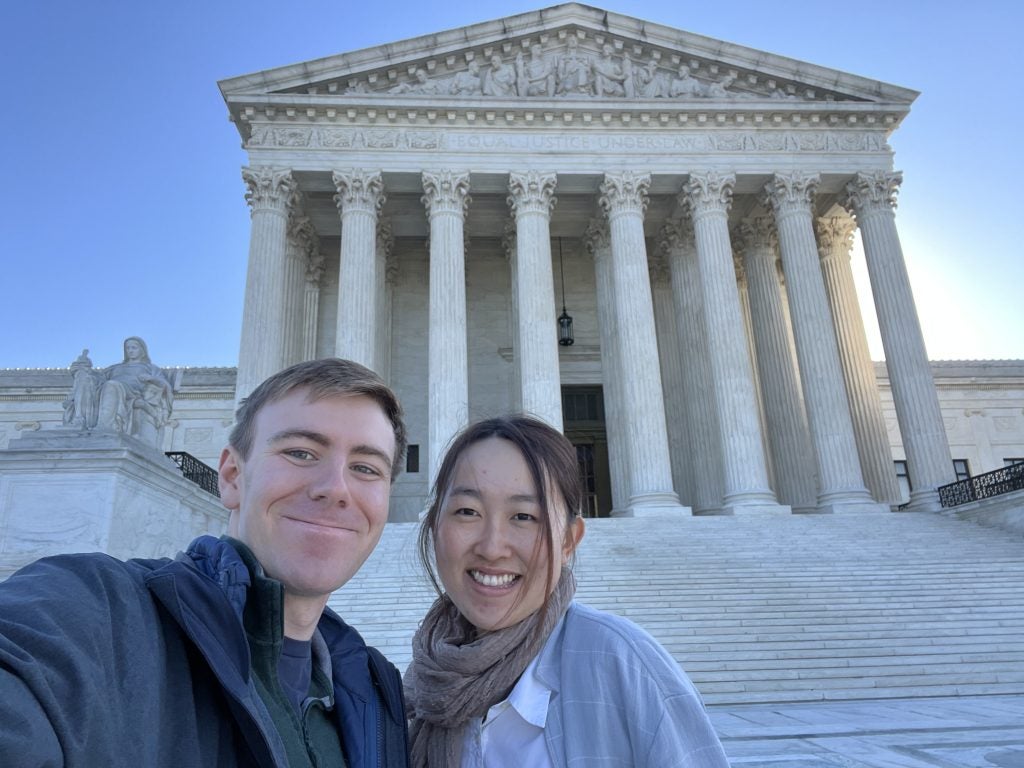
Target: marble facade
point(422, 206)
point(472, 149)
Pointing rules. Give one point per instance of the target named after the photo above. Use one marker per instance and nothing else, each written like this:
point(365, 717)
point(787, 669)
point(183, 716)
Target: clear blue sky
point(122, 209)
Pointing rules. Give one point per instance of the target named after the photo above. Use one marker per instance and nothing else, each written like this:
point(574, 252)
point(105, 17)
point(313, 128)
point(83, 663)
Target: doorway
point(583, 418)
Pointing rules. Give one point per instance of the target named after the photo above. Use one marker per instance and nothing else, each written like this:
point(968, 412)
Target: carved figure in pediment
point(421, 84)
point(720, 89)
point(685, 86)
point(359, 87)
point(467, 83)
point(133, 396)
point(649, 83)
point(537, 75)
point(500, 79)
point(782, 94)
point(574, 71)
point(611, 79)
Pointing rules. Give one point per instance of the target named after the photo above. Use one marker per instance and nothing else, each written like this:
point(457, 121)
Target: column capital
point(358, 190)
point(531, 192)
point(385, 239)
point(597, 239)
point(708, 193)
point(757, 233)
point(271, 189)
point(446, 192)
point(624, 192)
point(835, 236)
point(657, 267)
point(675, 234)
point(872, 191)
point(302, 235)
point(509, 237)
point(790, 192)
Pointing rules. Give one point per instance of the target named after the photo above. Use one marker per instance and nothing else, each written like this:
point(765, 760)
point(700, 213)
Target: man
point(226, 655)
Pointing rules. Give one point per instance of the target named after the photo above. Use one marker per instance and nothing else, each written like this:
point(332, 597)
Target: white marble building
point(431, 206)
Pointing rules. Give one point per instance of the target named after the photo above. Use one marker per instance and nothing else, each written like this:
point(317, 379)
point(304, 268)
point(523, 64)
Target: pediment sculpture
point(572, 72)
point(133, 397)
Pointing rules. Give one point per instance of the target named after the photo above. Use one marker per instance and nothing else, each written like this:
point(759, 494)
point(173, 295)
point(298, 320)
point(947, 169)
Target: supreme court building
point(433, 206)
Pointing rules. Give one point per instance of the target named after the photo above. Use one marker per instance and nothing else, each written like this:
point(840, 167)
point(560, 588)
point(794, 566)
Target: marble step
point(800, 608)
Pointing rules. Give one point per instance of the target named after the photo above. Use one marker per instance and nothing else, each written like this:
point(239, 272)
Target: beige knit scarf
point(455, 676)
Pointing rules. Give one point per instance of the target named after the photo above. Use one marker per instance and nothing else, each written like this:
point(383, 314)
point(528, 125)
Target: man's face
point(312, 498)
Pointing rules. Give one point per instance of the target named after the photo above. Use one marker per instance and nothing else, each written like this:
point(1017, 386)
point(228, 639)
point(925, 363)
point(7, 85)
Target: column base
point(755, 508)
point(924, 501)
point(658, 504)
point(852, 507)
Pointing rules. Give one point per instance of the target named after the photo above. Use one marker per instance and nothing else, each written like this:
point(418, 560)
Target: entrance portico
point(729, 386)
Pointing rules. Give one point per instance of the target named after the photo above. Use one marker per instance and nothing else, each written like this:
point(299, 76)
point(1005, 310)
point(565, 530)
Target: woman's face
point(132, 349)
point(490, 547)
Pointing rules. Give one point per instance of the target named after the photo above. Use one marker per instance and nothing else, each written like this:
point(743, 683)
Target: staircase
point(776, 609)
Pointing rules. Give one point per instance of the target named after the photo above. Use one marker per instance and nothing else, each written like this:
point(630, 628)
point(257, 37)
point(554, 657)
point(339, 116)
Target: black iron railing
point(193, 469)
point(983, 486)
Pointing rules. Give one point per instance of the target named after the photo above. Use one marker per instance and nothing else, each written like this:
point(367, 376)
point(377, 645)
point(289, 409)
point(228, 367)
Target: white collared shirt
point(512, 734)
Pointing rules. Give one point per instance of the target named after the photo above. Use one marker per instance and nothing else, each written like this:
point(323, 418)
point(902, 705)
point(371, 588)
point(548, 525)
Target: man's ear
point(573, 536)
point(229, 476)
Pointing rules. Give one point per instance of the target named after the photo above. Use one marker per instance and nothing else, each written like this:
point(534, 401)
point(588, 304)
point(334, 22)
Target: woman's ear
point(573, 536)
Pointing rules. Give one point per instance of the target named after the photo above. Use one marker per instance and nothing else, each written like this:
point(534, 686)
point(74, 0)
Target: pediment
point(564, 56)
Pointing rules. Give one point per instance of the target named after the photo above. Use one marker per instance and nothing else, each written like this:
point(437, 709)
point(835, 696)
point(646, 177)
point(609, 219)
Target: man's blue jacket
point(146, 663)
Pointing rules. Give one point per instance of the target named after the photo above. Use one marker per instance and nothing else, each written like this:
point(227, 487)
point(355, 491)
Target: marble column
point(788, 436)
point(311, 306)
point(508, 247)
point(598, 242)
point(270, 194)
point(447, 200)
point(840, 482)
point(835, 239)
point(703, 442)
point(301, 234)
point(676, 422)
point(745, 473)
point(872, 198)
point(531, 199)
point(624, 200)
point(360, 197)
point(387, 273)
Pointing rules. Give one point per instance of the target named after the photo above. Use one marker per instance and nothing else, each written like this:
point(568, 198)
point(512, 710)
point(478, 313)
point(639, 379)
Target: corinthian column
point(835, 238)
point(311, 304)
point(671, 373)
point(270, 194)
point(702, 439)
point(746, 487)
point(301, 236)
point(446, 198)
point(840, 483)
point(532, 198)
point(872, 197)
point(387, 273)
point(360, 197)
point(788, 438)
point(624, 199)
point(598, 243)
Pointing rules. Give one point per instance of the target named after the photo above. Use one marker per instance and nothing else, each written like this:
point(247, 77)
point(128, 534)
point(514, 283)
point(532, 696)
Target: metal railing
point(196, 471)
point(983, 486)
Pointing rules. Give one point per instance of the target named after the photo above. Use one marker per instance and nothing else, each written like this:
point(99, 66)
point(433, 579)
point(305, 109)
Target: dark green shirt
point(309, 733)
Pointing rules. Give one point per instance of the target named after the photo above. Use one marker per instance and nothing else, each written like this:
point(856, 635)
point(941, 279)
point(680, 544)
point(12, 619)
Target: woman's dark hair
point(551, 459)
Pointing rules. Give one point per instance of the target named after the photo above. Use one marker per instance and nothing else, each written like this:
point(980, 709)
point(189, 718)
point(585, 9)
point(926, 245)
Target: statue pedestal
point(66, 491)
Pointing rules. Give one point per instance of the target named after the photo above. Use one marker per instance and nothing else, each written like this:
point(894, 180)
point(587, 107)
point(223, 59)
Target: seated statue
point(133, 396)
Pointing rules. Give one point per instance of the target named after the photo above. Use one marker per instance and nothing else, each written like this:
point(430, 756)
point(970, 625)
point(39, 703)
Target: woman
point(507, 670)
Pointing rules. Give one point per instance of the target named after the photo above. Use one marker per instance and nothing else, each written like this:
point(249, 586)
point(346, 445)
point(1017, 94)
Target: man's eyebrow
point(288, 434)
point(369, 450)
